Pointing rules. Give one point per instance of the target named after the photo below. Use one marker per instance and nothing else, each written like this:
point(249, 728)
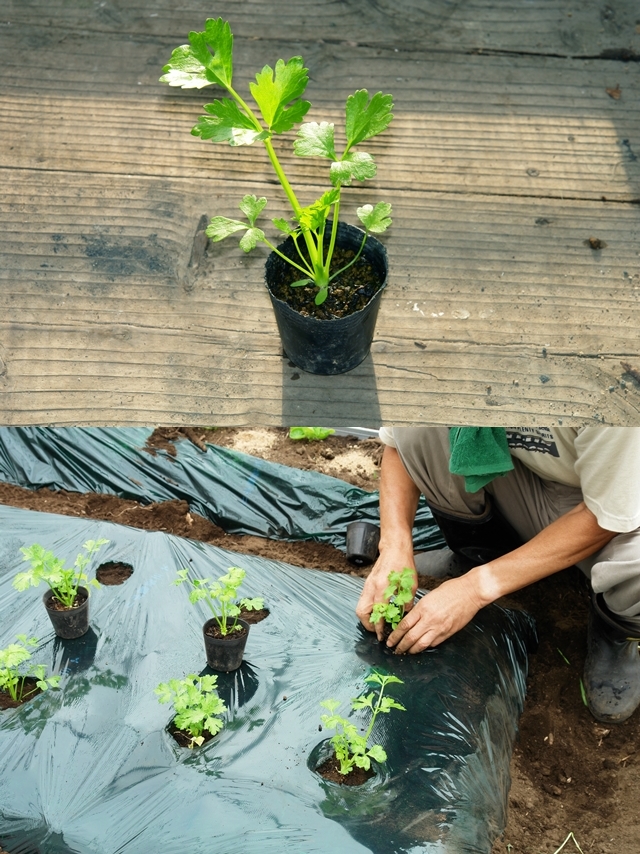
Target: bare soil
point(330, 770)
point(29, 691)
point(113, 573)
point(569, 772)
point(183, 738)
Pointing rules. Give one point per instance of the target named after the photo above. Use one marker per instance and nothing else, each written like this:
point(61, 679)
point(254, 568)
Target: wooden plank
point(569, 28)
point(491, 314)
point(526, 126)
point(506, 156)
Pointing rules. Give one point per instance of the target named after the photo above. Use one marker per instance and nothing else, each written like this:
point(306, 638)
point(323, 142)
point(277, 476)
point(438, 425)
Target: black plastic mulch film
point(90, 768)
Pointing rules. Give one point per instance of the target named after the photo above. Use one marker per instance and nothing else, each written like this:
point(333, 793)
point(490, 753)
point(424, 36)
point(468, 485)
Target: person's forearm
point(398, 502)
point(571, 538)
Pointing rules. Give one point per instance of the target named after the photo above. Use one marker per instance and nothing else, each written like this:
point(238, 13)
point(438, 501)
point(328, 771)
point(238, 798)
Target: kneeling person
point(516, 505)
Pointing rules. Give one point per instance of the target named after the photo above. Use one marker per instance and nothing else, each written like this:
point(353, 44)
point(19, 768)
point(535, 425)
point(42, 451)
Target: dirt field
point(569, 773)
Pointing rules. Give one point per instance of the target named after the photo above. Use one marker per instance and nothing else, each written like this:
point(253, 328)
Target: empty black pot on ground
point(225, 653)
point(328, 346)
point(362, 543)
point(69, 623)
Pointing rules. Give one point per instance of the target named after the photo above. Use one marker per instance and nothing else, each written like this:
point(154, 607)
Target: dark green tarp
point(240, 493)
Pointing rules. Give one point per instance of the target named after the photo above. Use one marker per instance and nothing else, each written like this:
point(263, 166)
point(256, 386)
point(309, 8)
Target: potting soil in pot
point(240, 493)
point(90, 767)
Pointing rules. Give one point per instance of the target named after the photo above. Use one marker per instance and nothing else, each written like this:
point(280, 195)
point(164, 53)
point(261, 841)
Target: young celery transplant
point(208, 60)
point(351, 748)
point(400, 593)
point(222, 597)
point(311, 434)
point(64, 581)
point(197, 704)
point(13, 675)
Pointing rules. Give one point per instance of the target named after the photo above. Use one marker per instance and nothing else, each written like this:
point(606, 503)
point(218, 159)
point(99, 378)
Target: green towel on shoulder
point(479, 454)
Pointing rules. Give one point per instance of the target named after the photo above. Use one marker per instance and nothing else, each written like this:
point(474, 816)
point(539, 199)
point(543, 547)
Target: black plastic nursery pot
point(69, 623)
point(225, 653)
point(328, 346)
point(362, 543)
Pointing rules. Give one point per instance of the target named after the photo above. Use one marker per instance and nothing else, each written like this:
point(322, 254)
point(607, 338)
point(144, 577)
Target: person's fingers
point(416, 639)
point(407, 624)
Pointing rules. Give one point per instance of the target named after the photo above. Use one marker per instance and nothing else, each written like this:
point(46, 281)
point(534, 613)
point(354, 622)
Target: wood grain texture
point(505, 157)
point(570, 28)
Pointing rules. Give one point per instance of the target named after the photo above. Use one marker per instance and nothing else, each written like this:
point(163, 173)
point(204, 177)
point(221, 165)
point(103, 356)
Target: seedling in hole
point(64, 581)
point(311, 434)
point(351, 748)
point(222, 597)
point(399, 593)
point(197, 705)
point(208, 60)
point(12, 679)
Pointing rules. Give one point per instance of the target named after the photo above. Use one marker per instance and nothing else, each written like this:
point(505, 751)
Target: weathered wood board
point(506, 155)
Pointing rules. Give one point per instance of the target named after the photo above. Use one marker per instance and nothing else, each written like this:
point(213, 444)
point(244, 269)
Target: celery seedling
point(197, 704)
point(400, 593)
point(208, 60)
point(351, 748)
point(311, 434)
point(63, 581)
point(13, 676)
point(221, 597)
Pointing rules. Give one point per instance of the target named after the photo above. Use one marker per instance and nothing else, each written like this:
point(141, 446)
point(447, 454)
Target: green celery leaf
point(367, 118)
point(185, 70)
point(312, 434)
point(273, 90)
point(252, 207)
point(300, 283)
point(194, 66)
point(315, 140)
point(375, 219)
point(248, 242)
point(227, 123)
point(378, 753)
point(315, 215)
point(227, 111)
point(286, 119)
point(214, 49)
point(283, 225)
point(219, 228)
point(213, 725)
point(356, 165)
point(321, 296)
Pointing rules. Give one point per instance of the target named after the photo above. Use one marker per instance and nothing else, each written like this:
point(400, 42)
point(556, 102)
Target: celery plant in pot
point(326, 278)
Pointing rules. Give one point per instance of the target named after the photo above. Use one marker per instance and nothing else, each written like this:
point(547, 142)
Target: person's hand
point(391, 560)
point(438, 615)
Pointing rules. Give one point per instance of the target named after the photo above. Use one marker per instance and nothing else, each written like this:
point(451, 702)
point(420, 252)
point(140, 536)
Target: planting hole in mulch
point(56, 605)
point(330, 770)
point(113, 572)
point(253, 617)
point(30, 691)
point(184, 739)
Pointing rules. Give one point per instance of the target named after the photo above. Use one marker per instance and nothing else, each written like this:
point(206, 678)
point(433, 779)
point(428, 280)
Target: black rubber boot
point(479, 539)
point(612, 668)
